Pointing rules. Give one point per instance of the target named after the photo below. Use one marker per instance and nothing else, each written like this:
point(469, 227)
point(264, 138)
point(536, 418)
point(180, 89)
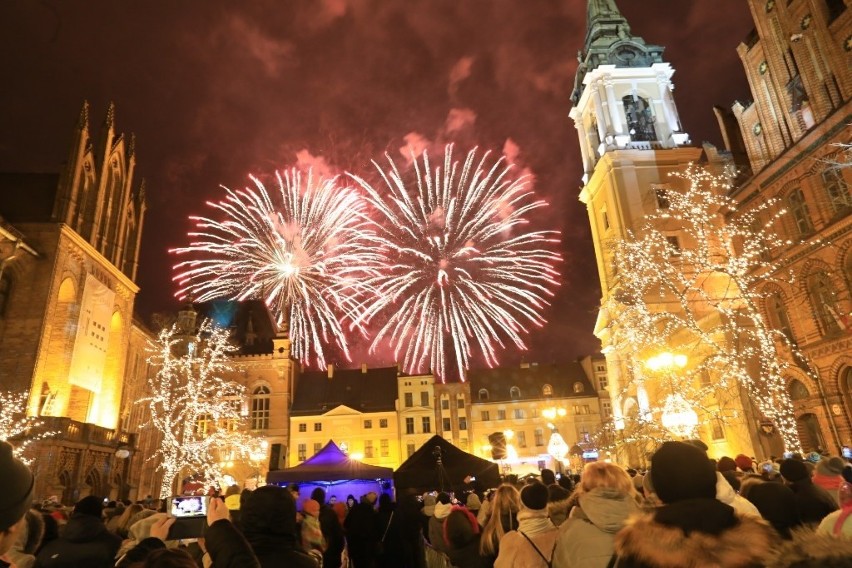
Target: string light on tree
point(17, 428)
point(193, 407)
point(694, 277)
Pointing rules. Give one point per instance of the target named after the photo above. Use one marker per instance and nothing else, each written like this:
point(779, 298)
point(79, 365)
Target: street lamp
point(678, 416)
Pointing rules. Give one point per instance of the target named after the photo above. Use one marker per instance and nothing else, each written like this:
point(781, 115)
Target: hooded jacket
point(809, 549)
point(85, 543)
point(812, 501)
point(694, 533)
point(588, 536)
point(726, 494)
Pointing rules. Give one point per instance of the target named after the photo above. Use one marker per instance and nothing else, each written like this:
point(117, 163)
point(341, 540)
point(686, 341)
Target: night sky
point(215, 91)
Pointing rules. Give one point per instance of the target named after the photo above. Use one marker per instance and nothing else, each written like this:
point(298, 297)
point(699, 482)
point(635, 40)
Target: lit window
point(260, 408)
point(385, 448)
point(607, 408)
point(578, 387)
point(521, 437)
point(547, 390)
point(368, 448)
point(519, 414)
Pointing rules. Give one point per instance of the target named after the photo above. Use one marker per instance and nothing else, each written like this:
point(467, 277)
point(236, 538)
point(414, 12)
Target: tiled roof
point(236, 315)
point(530, 380)
point(373, 391)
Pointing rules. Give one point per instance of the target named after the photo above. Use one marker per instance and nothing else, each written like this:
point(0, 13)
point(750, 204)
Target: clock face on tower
point(627, 56)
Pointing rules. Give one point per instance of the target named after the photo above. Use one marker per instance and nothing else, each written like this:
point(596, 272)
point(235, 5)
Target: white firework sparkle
point(304, 255)
point(458, 267)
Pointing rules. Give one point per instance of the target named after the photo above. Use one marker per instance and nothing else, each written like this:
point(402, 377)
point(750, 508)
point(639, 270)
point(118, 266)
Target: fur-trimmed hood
point(810, 549)
point(558, 510)
point(645, 541)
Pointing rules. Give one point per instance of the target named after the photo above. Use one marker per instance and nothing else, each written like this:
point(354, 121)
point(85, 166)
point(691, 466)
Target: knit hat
point(830, 466)
point(460, 528)
point(91, 505)
point(442, 510)
point(270, 510)
point(682, 471)
point(777, 504)
point(534, 496)
point(17, 482)
point(744, 462)
point(429, 501)
point(793, 470)
point(726, 464)
point(473, 503)
point(311, 507)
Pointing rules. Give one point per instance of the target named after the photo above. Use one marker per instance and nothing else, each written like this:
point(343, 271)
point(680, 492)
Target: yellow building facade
point(69, 252)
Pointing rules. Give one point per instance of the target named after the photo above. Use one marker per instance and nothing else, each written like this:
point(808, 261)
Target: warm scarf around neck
point(532, 522)
point(442, 511)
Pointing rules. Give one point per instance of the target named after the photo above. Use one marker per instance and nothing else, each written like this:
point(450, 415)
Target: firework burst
point(304, 255)
point(457, 267)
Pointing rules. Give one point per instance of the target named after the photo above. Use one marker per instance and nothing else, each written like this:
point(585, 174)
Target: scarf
point(532, 522)
point(442, 511)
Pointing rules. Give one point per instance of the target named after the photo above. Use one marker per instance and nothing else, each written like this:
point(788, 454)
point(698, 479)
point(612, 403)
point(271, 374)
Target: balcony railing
point(69, 430)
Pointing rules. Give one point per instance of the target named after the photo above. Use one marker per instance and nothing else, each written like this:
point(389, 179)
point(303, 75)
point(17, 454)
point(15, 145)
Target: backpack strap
point(543, 557)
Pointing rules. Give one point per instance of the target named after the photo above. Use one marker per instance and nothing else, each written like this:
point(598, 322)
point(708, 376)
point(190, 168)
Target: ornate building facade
point(792, 144)
point(69, 252)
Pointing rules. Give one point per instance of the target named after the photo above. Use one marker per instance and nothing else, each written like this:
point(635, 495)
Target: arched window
point(515, 393)
point(810, 433)
point(798, 390)
point(837, 190)
point(778, 314)
point(578, 387)
point(547, 390)
point(260, 408)
point(799, 210)
point(5, 293)
point(824, 301)
point(483, 394)
point(640, 119)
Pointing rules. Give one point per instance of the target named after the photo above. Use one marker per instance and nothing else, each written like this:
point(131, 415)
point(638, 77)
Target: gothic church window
point(778, 314)
point(640, 119)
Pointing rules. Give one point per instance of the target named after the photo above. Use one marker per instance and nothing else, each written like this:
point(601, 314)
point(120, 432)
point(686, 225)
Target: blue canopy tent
point(336, 473)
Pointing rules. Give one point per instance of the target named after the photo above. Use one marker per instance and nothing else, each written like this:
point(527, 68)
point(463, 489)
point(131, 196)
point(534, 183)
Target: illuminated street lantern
point(678, 417)
point(556, 447)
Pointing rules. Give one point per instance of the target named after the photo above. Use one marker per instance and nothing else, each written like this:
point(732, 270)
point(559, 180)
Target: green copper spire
point(610, 42)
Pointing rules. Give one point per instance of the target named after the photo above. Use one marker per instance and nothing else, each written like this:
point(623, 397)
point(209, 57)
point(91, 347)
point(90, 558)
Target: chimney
point(330, 370)
point(363, 368)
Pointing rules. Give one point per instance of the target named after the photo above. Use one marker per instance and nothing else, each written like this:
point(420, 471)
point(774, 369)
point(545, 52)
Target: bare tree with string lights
point(196, 411)
point(17, 428)
point(692, 282)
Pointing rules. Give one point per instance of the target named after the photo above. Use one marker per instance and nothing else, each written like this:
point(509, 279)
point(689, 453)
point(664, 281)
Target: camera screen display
point(847, 452)
point(192, 506)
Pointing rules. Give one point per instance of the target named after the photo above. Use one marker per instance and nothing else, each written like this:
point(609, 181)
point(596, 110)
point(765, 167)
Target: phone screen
point(191, 506)
point(847, 452)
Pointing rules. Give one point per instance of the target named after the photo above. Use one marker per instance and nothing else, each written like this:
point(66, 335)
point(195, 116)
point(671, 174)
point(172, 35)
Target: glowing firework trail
point(305, 256)
point(458, 267)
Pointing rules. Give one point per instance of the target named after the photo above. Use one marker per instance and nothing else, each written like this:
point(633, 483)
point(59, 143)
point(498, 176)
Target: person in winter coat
point(606, 498)
point(532, 545)
point(839, 523)
point(726, 494)
point(462, 534)
point(559, 504)
point(812, 502)
point(268, 521)
point(23, 551)
point(85, 541)
point(809, 549)
point(691, 526)
point(436, 523)
point(361, 536)
point(505, 505)
point(311, 533)
point(777, 504)
point(332, 529)
point(828, 474)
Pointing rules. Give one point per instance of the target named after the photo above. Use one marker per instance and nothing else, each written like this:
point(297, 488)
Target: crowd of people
point(686, 510)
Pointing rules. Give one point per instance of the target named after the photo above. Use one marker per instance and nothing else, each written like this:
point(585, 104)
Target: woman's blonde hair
point(126, 518)
point(605, 474)
point(506, 500)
